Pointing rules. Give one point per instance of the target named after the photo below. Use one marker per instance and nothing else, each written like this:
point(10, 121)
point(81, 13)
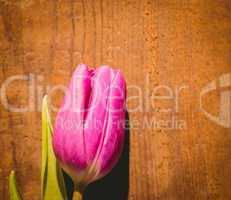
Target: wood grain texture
point(169, 43)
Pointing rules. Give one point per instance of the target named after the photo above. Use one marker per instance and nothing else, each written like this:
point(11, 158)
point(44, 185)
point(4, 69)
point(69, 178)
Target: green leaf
point(14, 194)
point(53, 186)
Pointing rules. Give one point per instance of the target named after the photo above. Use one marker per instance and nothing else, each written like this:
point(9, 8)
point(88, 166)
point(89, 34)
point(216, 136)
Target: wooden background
point(175, 43)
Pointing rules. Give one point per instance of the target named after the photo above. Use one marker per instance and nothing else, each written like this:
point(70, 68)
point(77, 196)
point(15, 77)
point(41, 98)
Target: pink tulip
point(89, 129)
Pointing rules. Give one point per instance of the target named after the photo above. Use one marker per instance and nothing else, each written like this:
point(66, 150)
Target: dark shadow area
point(69, 186)
point(115, 185)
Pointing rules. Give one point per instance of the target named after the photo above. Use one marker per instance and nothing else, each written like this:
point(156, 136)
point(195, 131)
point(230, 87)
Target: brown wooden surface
point(174, 43)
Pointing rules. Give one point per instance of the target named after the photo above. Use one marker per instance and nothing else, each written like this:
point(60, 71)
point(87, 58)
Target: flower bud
point(89, 129)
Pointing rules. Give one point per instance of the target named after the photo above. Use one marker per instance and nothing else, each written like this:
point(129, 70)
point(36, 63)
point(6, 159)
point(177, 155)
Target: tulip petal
point(68, 140)
point(113, 141)
point(95, 119)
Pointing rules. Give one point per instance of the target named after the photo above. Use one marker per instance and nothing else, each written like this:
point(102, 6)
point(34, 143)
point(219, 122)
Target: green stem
point(77, 195)
point(78, 191)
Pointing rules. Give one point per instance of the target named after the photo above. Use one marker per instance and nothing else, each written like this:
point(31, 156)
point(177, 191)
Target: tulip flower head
point(89, 129)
